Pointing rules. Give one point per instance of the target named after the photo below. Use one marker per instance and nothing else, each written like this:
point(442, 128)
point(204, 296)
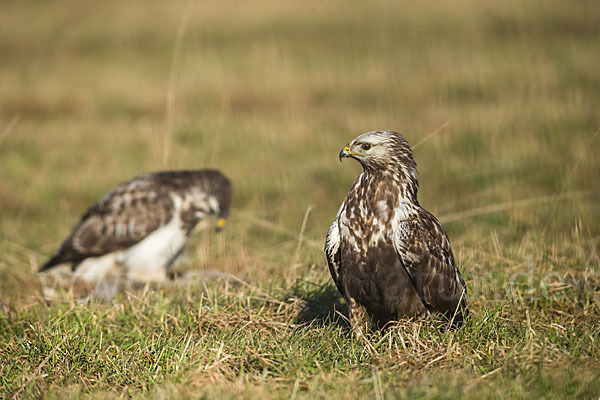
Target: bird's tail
point(55, 260)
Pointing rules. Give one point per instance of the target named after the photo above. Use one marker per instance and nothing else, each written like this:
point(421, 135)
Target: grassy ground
point(499, 99)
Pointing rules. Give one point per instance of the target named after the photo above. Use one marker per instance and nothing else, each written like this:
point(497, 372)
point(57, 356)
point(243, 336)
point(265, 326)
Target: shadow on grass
point(322, 304)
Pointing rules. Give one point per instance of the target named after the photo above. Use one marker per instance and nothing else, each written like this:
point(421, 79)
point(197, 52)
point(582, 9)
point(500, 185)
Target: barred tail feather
point(55, 260)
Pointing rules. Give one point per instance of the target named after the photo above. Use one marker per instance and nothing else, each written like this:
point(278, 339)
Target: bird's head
point(384, 155)
point(380, 151)
point(222, 212)
point(212, 197)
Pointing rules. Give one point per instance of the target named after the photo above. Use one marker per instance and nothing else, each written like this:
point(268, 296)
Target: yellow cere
point(347, 150)
point(221, 222)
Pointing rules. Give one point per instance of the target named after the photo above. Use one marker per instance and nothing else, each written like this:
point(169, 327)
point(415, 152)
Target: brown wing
point(122, 218)
point(425, 251)
point(105, 231)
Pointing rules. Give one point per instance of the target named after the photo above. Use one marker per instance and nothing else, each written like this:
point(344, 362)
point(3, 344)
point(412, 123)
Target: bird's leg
point(360, 322)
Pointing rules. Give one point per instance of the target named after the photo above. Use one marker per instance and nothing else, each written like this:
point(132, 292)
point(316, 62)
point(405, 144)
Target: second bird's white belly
point(148, 259)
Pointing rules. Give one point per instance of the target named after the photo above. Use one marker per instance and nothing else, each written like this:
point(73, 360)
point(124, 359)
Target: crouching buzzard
point(142, 225)
point(387, 255)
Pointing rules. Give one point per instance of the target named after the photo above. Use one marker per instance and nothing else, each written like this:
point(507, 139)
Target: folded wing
point(119, 220)
point(424, 249)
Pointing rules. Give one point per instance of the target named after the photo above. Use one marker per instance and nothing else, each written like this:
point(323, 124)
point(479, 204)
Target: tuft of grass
point(499, 99)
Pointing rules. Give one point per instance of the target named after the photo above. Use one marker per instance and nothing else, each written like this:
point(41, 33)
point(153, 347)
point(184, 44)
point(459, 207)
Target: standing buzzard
point(142, 225)
point(387, 255)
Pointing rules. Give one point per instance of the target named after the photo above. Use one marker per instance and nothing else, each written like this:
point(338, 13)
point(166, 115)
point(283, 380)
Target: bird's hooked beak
point(345, 153)
point(221, 222)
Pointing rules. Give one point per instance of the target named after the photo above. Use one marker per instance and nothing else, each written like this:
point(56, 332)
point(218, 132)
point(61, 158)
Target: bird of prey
point(387, 255)
point(141, 226)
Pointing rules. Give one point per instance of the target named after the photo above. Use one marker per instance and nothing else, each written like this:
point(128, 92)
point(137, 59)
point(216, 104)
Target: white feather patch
point(148, 259)
point(94, 269)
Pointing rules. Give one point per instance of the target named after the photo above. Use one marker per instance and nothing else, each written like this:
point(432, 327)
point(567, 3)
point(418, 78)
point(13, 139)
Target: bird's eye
point(365, 146)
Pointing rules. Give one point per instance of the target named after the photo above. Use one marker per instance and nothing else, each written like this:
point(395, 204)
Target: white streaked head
point(381, 150)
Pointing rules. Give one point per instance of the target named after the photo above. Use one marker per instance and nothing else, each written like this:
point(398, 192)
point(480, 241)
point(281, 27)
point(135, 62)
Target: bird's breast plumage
point(370, 269)
point(372, 211)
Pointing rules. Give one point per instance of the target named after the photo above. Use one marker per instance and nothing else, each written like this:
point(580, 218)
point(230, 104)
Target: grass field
point(500, 100)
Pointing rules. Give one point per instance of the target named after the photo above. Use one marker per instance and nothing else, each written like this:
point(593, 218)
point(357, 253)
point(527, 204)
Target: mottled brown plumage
point(130, 213)
point(387, 255)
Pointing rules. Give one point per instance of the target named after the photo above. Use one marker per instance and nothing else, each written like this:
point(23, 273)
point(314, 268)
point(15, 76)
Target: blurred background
point(500, 101)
